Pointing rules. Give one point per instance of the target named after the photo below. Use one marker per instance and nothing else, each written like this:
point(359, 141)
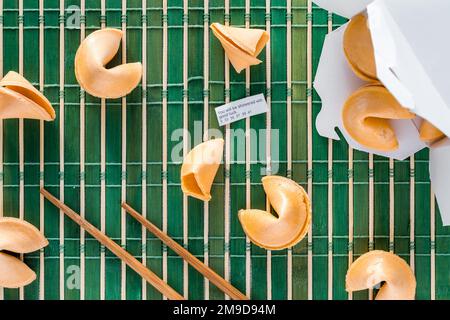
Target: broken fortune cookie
point(366, 115)
point(98, 49)
point(358, 48)
point(17, 236)
point(200, 167)
point(378, 266)
point(241, 45)
point(293, 207)
point(19, 99)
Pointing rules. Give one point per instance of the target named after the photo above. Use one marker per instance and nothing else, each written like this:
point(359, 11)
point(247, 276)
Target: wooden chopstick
point(212, 276)
point(131, 261)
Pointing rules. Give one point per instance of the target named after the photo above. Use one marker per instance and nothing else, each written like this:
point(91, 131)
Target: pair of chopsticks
point(136, 265)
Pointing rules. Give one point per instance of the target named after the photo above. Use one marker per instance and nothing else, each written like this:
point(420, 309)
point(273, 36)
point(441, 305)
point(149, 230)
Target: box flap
point(334, 83)
point(440, 177)
point(411, 56)
point(345, 8)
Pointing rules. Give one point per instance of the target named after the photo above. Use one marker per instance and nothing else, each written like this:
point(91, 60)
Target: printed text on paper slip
point(241, 109)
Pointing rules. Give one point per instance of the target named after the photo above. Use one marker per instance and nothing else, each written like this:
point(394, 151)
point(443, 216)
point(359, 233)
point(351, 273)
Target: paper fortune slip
point(241, 109)
point(412, 63)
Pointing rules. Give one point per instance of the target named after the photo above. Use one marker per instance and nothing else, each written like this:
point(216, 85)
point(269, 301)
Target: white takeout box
point(413, 62)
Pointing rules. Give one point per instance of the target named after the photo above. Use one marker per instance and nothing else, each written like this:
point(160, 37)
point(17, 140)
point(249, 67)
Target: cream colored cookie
point(97, 50)
point(200, 167)
point(241, 45)
point(358, 48)
point(379, 266)
point(293, 207)
point(366, 115)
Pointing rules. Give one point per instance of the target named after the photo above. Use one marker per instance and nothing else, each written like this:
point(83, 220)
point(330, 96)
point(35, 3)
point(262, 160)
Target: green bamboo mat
point(391, 202)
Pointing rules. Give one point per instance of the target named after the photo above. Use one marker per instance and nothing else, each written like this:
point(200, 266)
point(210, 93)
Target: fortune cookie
point(19, 99)
point(293, 207)
point(14, 273)
point(200, 167)
point(358, 48)
point(365, 117)
point(429, 133)
point(20, 237)
point(98, 49)
point(379, 266)
point(241, 45)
